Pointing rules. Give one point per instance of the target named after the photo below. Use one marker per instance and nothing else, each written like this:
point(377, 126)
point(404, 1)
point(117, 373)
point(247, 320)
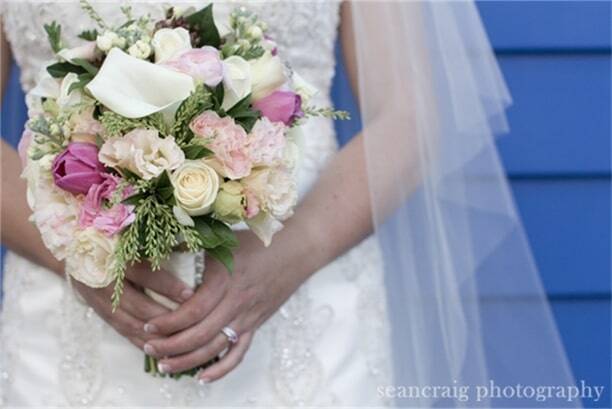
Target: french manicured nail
point(149, 350)
point(186, 294)
point(163, 368)
point(150, 328)
point(204, 381)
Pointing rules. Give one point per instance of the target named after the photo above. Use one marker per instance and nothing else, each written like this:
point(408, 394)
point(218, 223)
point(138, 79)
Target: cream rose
point(91, 258)
point(143, 152)
point(236, 80)
point(168, 42)
point(267, 74)
point(195, 187)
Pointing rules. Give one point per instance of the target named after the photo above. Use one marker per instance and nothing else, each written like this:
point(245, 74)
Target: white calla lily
point(135, 88)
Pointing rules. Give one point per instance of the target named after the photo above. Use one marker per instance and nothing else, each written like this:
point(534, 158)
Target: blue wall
point(556, 59)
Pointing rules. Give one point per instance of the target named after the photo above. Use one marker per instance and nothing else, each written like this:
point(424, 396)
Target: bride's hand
point(136, 308)
point(259, 285)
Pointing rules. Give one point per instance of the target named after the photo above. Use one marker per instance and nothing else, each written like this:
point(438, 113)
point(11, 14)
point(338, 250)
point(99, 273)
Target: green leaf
point(247, 123)
point(84, 79)
point(61, 69)
point(243, 105)
point(218, 94)
point(134, 200)
point(195, 152)
point(86, 65)
point(224, 233)
point(128, 174)
point(203, 23)
point(208, 236)
point(89, 35)
point(54, 33)
point(224, 255)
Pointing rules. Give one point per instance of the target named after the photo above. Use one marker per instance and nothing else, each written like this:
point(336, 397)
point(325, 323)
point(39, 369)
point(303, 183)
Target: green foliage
point(203, 23)
point(61, 69)
point(217, 239)
point(89, 35)
point(200, 100)
point(196, 151)
point(243, 113)
point(327, 113)
point(92, 13)
point(54, 34)
point(117, 125)
point(152, 236)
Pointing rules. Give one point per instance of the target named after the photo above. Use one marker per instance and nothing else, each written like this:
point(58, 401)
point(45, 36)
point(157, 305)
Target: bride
point(378, 291)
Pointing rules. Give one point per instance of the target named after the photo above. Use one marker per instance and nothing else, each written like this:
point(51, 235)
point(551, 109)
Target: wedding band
point(231, 335)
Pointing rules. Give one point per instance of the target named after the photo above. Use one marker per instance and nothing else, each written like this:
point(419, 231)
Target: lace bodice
point(308, 49)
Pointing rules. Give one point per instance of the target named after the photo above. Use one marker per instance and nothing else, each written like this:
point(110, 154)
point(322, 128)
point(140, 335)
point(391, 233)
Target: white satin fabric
point(328, 345)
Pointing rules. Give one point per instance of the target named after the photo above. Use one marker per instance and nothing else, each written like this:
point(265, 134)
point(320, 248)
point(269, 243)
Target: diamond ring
point(231, 335)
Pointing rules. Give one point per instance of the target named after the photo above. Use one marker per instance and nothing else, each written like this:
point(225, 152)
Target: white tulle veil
point(465, 298)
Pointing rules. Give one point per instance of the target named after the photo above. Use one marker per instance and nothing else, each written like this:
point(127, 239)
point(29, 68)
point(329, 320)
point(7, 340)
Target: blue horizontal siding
point(568, 225)
point(547, 25)
point(560, 118)
point(584, 325)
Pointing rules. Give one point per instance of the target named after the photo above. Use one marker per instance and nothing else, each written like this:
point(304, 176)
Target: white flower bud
point(140, 49)
point(106, 41)
point(255, 32)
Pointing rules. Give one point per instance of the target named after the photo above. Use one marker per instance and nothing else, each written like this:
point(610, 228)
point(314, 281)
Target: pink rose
point(281, 106)
point(24, 145)
point(110, 221)
point(77, 168)
point(267, 142)
point(227, 140)
point(203, 64)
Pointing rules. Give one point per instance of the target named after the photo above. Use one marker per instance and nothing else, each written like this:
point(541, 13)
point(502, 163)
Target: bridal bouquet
point(156, 136)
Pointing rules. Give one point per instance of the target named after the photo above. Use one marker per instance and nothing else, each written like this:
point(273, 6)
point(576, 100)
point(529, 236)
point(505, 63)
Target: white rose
point(91, 258)
point(236, 80)
point(195, 187)
point(276, 190)
point(123, 85)
point(268, 75)
point(168, 42)
point(143, 152)
point(303, 88)
point(140, 49)
point(108, 40)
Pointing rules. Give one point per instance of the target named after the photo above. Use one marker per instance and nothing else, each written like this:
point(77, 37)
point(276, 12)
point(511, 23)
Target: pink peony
point(93, 213)
point(78, 168)
point(281, 106)
point(203, 64)
point(227, 140)
point(267, 142)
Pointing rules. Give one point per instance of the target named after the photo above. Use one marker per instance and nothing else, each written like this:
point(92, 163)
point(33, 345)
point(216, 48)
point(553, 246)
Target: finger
point(160, 281)
point(195, 358)
point(206, 298)
point(195, 336)
point(139, 305)
point(229, 361)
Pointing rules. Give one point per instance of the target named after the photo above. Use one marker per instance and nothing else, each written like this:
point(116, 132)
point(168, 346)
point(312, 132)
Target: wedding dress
point(328, 345)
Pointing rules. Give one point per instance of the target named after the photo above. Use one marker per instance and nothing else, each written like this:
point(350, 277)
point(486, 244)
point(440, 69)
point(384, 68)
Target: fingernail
point(186, 294)
point(163, 368)
point(150, 328)
point(149, 350)
point(204, 381)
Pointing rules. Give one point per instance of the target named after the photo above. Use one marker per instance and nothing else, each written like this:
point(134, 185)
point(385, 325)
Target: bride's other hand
point(136, 307)
point(261, 282)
